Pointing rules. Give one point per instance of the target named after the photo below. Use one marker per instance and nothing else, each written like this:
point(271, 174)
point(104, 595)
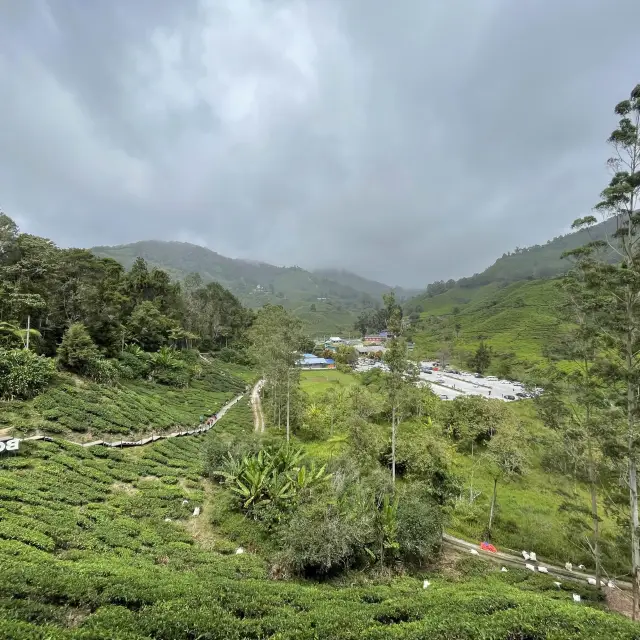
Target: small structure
point(370, 351)
point(309, 361)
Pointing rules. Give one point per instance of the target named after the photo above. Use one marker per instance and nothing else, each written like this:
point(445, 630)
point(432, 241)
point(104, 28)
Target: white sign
point(9, 445)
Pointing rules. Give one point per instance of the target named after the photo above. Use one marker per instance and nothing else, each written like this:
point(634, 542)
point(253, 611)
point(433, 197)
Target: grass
point(83, 410)
point(315, 383)
point(98, 544)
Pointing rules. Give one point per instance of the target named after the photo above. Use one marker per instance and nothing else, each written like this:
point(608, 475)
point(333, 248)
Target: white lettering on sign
point(10, 445)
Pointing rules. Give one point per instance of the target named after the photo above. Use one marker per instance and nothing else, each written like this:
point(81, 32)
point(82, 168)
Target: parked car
point(443, 397)
point(509, 397)
point(492, 378)
point(479, 375)
point(428, 371)
point(522, 395)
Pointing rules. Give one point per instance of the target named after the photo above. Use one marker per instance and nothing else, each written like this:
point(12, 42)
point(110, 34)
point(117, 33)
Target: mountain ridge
point(325, 305)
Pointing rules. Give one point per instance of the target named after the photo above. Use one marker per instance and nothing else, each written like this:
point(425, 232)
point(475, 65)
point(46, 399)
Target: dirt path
point(256, 407)
point(511, 560)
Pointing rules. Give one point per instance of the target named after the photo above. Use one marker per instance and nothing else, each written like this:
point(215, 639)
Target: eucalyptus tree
point(276, 338)
point(611, 270)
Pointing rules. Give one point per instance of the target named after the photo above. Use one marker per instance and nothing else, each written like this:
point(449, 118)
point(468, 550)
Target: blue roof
point(330, 361)
point(308, 355)
point(314, 360)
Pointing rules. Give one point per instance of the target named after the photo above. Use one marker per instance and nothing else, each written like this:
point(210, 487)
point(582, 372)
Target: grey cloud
point(407, 141)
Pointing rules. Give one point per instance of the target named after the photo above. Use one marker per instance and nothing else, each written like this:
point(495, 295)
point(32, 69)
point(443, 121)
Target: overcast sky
point(408, 141)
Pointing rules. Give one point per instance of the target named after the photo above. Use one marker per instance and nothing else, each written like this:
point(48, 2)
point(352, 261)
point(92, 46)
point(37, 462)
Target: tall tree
point(276, 339)
point(612, 276)
point(507, 458)
point(481, 358)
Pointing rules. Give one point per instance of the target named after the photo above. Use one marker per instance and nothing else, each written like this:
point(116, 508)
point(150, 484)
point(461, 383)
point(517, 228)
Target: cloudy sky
point(408, 141)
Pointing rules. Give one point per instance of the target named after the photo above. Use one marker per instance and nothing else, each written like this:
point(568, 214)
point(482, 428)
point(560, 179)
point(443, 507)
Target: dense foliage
point(91, 315)
point(114, 553)
point(23, 374)
point(132, 407)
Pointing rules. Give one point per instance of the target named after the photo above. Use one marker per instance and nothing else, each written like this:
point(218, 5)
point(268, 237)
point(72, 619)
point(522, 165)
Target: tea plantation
point(102, 544)
point(83, 410)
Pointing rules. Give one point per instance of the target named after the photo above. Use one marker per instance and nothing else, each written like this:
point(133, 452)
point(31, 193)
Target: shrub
point(419, 526)
point(133, 363)
point(102, 371)
point(77, 350)
point(167, 368)
point(218, 449)
point(23, 374)
point(321, 538)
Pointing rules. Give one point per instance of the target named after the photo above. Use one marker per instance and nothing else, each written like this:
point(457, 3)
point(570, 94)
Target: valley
point(190, 458)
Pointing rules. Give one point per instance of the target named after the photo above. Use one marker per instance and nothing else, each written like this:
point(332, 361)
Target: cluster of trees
point(439, 286)
point(595, 408)
point(349, 513)
point(375, 320)
point(83, 310)
point(277, 339)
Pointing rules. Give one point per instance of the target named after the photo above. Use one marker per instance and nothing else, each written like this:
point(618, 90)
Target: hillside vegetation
point(540, 261)
point(511, 304)
point(83, 410)
point(328, 301)
point(102, 544)
point(518, 319)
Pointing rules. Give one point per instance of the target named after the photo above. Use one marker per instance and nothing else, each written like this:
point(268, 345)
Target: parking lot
point(465, 383)
point(449, 385)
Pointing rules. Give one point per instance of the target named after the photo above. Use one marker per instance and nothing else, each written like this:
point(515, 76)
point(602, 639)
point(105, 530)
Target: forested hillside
point(87, 348)
point(328, 302)
point(371, 287)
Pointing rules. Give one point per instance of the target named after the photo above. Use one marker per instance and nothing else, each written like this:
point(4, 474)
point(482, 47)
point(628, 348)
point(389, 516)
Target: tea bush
point(128, 408)
point(98, 544)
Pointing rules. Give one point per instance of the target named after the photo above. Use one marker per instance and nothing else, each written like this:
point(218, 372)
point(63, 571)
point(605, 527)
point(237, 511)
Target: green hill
point(511, 304)
point(538, 261)
point(337, 296)
point(371, 287)
point(518, 319)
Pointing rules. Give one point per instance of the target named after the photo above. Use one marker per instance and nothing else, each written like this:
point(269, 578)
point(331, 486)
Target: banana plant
point(305, 478)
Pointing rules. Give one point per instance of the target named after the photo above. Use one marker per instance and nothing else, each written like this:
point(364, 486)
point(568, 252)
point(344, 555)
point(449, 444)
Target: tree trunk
point(28, 332)
point(493, 505)
point(393, 444)
point(635, 549)
point(288, 403)
point(596, 533)
point(275, 403)
point(633, 475)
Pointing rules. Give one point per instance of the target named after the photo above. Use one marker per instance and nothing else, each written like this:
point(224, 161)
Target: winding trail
point(153, 438)
point(256, 407)
point(512, 560)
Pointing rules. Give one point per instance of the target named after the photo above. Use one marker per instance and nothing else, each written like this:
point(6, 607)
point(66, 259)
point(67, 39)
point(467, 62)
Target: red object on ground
point(485, 546)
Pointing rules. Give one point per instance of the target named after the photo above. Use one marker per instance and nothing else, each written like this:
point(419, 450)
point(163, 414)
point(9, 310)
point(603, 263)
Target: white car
point(443, 397)
point(492, 378)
